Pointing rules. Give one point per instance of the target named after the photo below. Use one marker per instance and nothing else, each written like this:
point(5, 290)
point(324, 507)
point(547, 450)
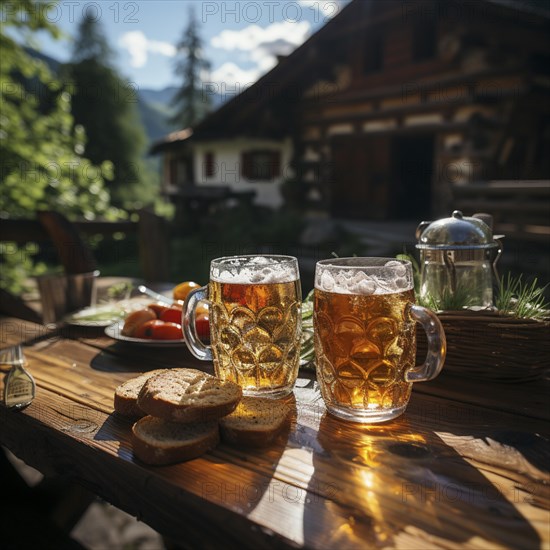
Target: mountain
point(159, 97)
point(156, 109)
point(154, 117)
point(154, 106)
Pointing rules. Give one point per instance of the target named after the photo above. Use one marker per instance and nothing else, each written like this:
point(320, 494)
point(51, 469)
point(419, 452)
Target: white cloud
point(139, 46)
point(230, 75)
point(254, 36)
point(327, 8)
point(260, 46)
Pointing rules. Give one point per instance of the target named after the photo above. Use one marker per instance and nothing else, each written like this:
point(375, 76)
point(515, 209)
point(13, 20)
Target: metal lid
point(456, 232)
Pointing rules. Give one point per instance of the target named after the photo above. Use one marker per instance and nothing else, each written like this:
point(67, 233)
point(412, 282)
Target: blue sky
point(241, 38)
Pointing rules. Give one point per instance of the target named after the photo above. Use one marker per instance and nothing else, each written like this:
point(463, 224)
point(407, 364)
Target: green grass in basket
point(449, 301)
point(520, 299)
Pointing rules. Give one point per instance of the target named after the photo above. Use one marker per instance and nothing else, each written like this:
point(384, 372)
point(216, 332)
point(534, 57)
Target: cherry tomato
point(171, 315)
point(159, 330)
point(169, 331)
point(202, 324)
point(158, 309)
point(136, 319)
point(183, 289)
point(146, 330)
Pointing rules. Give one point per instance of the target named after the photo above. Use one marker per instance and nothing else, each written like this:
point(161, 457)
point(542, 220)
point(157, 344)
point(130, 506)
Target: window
point(209, 166)
point(373, 54)
point(424, 40)
point(261, 165)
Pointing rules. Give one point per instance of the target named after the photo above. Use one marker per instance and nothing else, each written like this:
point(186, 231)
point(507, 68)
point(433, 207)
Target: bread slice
point(127, 393)
point(188, 395)
point(159, 442)
point(256, 421)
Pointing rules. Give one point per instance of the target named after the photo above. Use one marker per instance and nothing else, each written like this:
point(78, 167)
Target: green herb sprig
point(519, 299)
point(307, 352)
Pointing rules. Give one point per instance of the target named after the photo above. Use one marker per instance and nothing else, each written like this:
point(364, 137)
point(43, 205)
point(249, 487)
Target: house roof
point(269, 102)
point(223, 121)
point(173, 137)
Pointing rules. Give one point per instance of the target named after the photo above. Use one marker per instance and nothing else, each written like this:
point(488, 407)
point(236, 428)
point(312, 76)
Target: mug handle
point(188, 317)
point(437, 345)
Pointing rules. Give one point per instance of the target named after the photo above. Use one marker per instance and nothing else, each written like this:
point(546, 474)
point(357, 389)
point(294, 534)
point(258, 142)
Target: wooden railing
point(520, 209)
point(150, 230)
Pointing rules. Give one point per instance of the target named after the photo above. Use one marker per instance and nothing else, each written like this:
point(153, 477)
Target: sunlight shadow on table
point(117, 429)
point(120, 357)
point(255, 467)
point(391, 473)
point(108, 362)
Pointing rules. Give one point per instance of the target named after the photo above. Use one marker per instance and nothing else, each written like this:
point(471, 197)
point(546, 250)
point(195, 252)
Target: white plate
point(102, 316)
point(115, 332)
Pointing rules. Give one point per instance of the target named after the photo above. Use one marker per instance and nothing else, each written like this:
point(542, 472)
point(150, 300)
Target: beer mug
point(255, 322)
point(365, 337)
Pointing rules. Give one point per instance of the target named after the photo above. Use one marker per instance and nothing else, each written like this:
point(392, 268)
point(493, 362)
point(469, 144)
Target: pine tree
point(91, 43)
point(105, 105)
point(190, 102)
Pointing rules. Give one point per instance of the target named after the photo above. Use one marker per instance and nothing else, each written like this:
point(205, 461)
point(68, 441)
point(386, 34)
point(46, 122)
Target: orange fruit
point(183, 289)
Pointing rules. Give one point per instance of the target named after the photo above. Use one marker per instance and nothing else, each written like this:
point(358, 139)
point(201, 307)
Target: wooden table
point(466, 466)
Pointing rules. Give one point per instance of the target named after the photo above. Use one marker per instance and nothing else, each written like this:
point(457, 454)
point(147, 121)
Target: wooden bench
point(73, 252)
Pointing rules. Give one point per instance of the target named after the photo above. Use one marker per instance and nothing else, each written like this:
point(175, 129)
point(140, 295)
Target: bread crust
point(127, 407)
point(162, 455)
point(184, 402)
point(126, 394)
point(237, 429)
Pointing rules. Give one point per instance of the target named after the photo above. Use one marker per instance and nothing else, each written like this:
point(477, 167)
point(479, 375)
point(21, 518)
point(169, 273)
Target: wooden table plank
point(452, 471)
point(184, 501)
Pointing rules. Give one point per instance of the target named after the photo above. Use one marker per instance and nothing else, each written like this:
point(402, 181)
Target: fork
point(19, 386)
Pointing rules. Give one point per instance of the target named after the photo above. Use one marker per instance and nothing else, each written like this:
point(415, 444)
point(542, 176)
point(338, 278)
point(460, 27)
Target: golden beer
point(365, 319)
point(255, 334)
point(364, 345)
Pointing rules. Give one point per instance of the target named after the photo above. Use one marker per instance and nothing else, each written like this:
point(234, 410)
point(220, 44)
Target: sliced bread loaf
point(188, 395)
point(158, 442)
point(256, 421)
point(127, 393)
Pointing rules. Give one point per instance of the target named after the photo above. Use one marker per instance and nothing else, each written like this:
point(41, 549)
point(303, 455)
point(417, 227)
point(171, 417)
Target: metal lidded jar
point(458, 257)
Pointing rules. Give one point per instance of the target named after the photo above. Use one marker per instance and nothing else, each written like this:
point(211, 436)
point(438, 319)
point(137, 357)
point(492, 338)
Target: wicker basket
point(492, 346)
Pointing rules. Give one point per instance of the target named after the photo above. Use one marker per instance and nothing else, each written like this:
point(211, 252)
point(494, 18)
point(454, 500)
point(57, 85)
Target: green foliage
point(520, 299)
point(190, 101)
point(42, 166)
point(106, 106)
point(17, 264)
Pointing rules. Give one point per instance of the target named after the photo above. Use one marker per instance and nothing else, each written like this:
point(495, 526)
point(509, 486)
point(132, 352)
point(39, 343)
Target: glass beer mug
point(365, 337)
point(255, 322)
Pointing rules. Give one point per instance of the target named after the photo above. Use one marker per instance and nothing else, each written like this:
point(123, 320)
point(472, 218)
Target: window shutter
point(208, 164)
point(275, 164)
point(246, 165)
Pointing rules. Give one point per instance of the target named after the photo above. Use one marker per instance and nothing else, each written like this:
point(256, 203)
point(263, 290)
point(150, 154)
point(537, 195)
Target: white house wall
point(227, 171)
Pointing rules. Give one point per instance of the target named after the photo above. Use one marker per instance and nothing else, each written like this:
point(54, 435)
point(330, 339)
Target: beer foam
point(246, 270)
point(390, 278)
